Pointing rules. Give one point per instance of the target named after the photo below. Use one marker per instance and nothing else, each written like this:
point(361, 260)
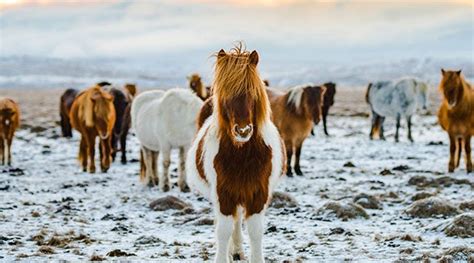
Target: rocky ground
point(359, 200)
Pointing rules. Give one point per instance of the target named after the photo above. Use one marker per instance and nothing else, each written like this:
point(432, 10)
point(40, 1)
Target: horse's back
point(392, 98)
point(178, 111)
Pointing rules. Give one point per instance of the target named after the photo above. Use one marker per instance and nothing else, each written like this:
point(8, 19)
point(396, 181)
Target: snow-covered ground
point(49, 209)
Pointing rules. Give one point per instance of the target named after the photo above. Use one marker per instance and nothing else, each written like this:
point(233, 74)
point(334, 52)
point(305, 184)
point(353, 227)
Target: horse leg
point(114, 146)
point(289, 154)
point(123, 146)
point(381, 121)
point(91, 150)
point(297, 159)
point(154, 167)
point(325, 115)
point(165, 179)
point(2, 151)
point(398, 127)
point(409, 128)
point(142, 166)
point(452, 153)
point(147, 168)
point(182, 170)
point(459, 148)
point(106, 155)
point(255, 230)
point(83, 153)
point(236, 250)
point(467, 153)
point(9, 141)
point(223, 231)
point(373, 129)
point(6, 152)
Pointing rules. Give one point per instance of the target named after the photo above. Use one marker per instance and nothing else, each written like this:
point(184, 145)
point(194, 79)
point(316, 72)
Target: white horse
point(398, 98)
point(164, 120)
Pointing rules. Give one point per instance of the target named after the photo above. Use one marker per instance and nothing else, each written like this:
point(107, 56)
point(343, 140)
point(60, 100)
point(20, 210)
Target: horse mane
point(295, 97)
point(236, 75)
point(101, 104)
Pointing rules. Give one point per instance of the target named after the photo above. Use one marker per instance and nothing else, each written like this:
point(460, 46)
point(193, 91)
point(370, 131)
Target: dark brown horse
point(65, 104)
point(328, 101)
point(122, 104)
point(294, 113)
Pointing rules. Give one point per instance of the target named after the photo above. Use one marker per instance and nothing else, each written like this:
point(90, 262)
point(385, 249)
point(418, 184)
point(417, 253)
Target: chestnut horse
point(456, 116)
point(9, 122)
point(65, 104)
point(237, 155)
point(122, 103)
point(196, 85)
point(294, 113)
point(93, 114)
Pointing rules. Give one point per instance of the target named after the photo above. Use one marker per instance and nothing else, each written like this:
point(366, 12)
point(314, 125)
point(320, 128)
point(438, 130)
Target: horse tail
point(367, 98)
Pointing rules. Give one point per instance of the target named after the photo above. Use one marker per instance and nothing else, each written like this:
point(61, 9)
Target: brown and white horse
point(237, 155)
point(456, 116)
point(196, 85)
point(294, 113)
point(9, 122)
point(93, 114)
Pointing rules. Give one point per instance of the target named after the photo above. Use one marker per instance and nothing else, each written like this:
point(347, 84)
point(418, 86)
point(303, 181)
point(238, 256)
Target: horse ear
point(221, 53)
point(459, 72)
point(253, 58)
point(443, 71)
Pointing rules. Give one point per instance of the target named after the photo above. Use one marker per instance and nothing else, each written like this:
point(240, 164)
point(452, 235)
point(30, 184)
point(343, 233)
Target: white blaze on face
point(7, 122)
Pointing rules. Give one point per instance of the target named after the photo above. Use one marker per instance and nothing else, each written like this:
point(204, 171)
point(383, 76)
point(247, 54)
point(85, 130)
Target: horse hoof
point(299, 172)
point(237, 257)
point(185, 189)
point(289, 174)
point(104, 170)
point(165, 188)
point(123, 161)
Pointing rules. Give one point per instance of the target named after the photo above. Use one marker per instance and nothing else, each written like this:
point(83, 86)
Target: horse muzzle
point(242, 134)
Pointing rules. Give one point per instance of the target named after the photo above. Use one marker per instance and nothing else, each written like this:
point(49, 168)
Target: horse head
point(104, 112)
point(313, 102)
point(451, 86)
point(240, 98)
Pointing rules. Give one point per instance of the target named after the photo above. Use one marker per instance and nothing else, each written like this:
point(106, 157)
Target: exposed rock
point(119, 253)
point(343, 211)
point(423, 181)
point(461, 226)
point(169, 202)
point(422, 195)
point(386, 172)
point(467, 205)
point(367, 201)
point(148, 241)
point(95, 257)
point(431, 207)
point(349, 164)
point(204, 222)
point(401, 168)
point(459, 254)
point(281, 200)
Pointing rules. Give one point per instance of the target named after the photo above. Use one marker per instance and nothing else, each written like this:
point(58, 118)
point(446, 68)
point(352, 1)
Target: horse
point(196, 85)
point(93, 114)
point(456, 116)
point(328, 102)
point(164, 120)
point(397, 98)
point(65, 103)
point(237, 157)
point(294, 113)
point(9, 122)
point(122, 100)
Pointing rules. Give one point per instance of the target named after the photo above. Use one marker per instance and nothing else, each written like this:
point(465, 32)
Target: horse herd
point(236, 139)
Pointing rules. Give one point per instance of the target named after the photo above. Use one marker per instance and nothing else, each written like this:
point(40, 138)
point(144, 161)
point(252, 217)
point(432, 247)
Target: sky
point(283, 28)
point(288, 34)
